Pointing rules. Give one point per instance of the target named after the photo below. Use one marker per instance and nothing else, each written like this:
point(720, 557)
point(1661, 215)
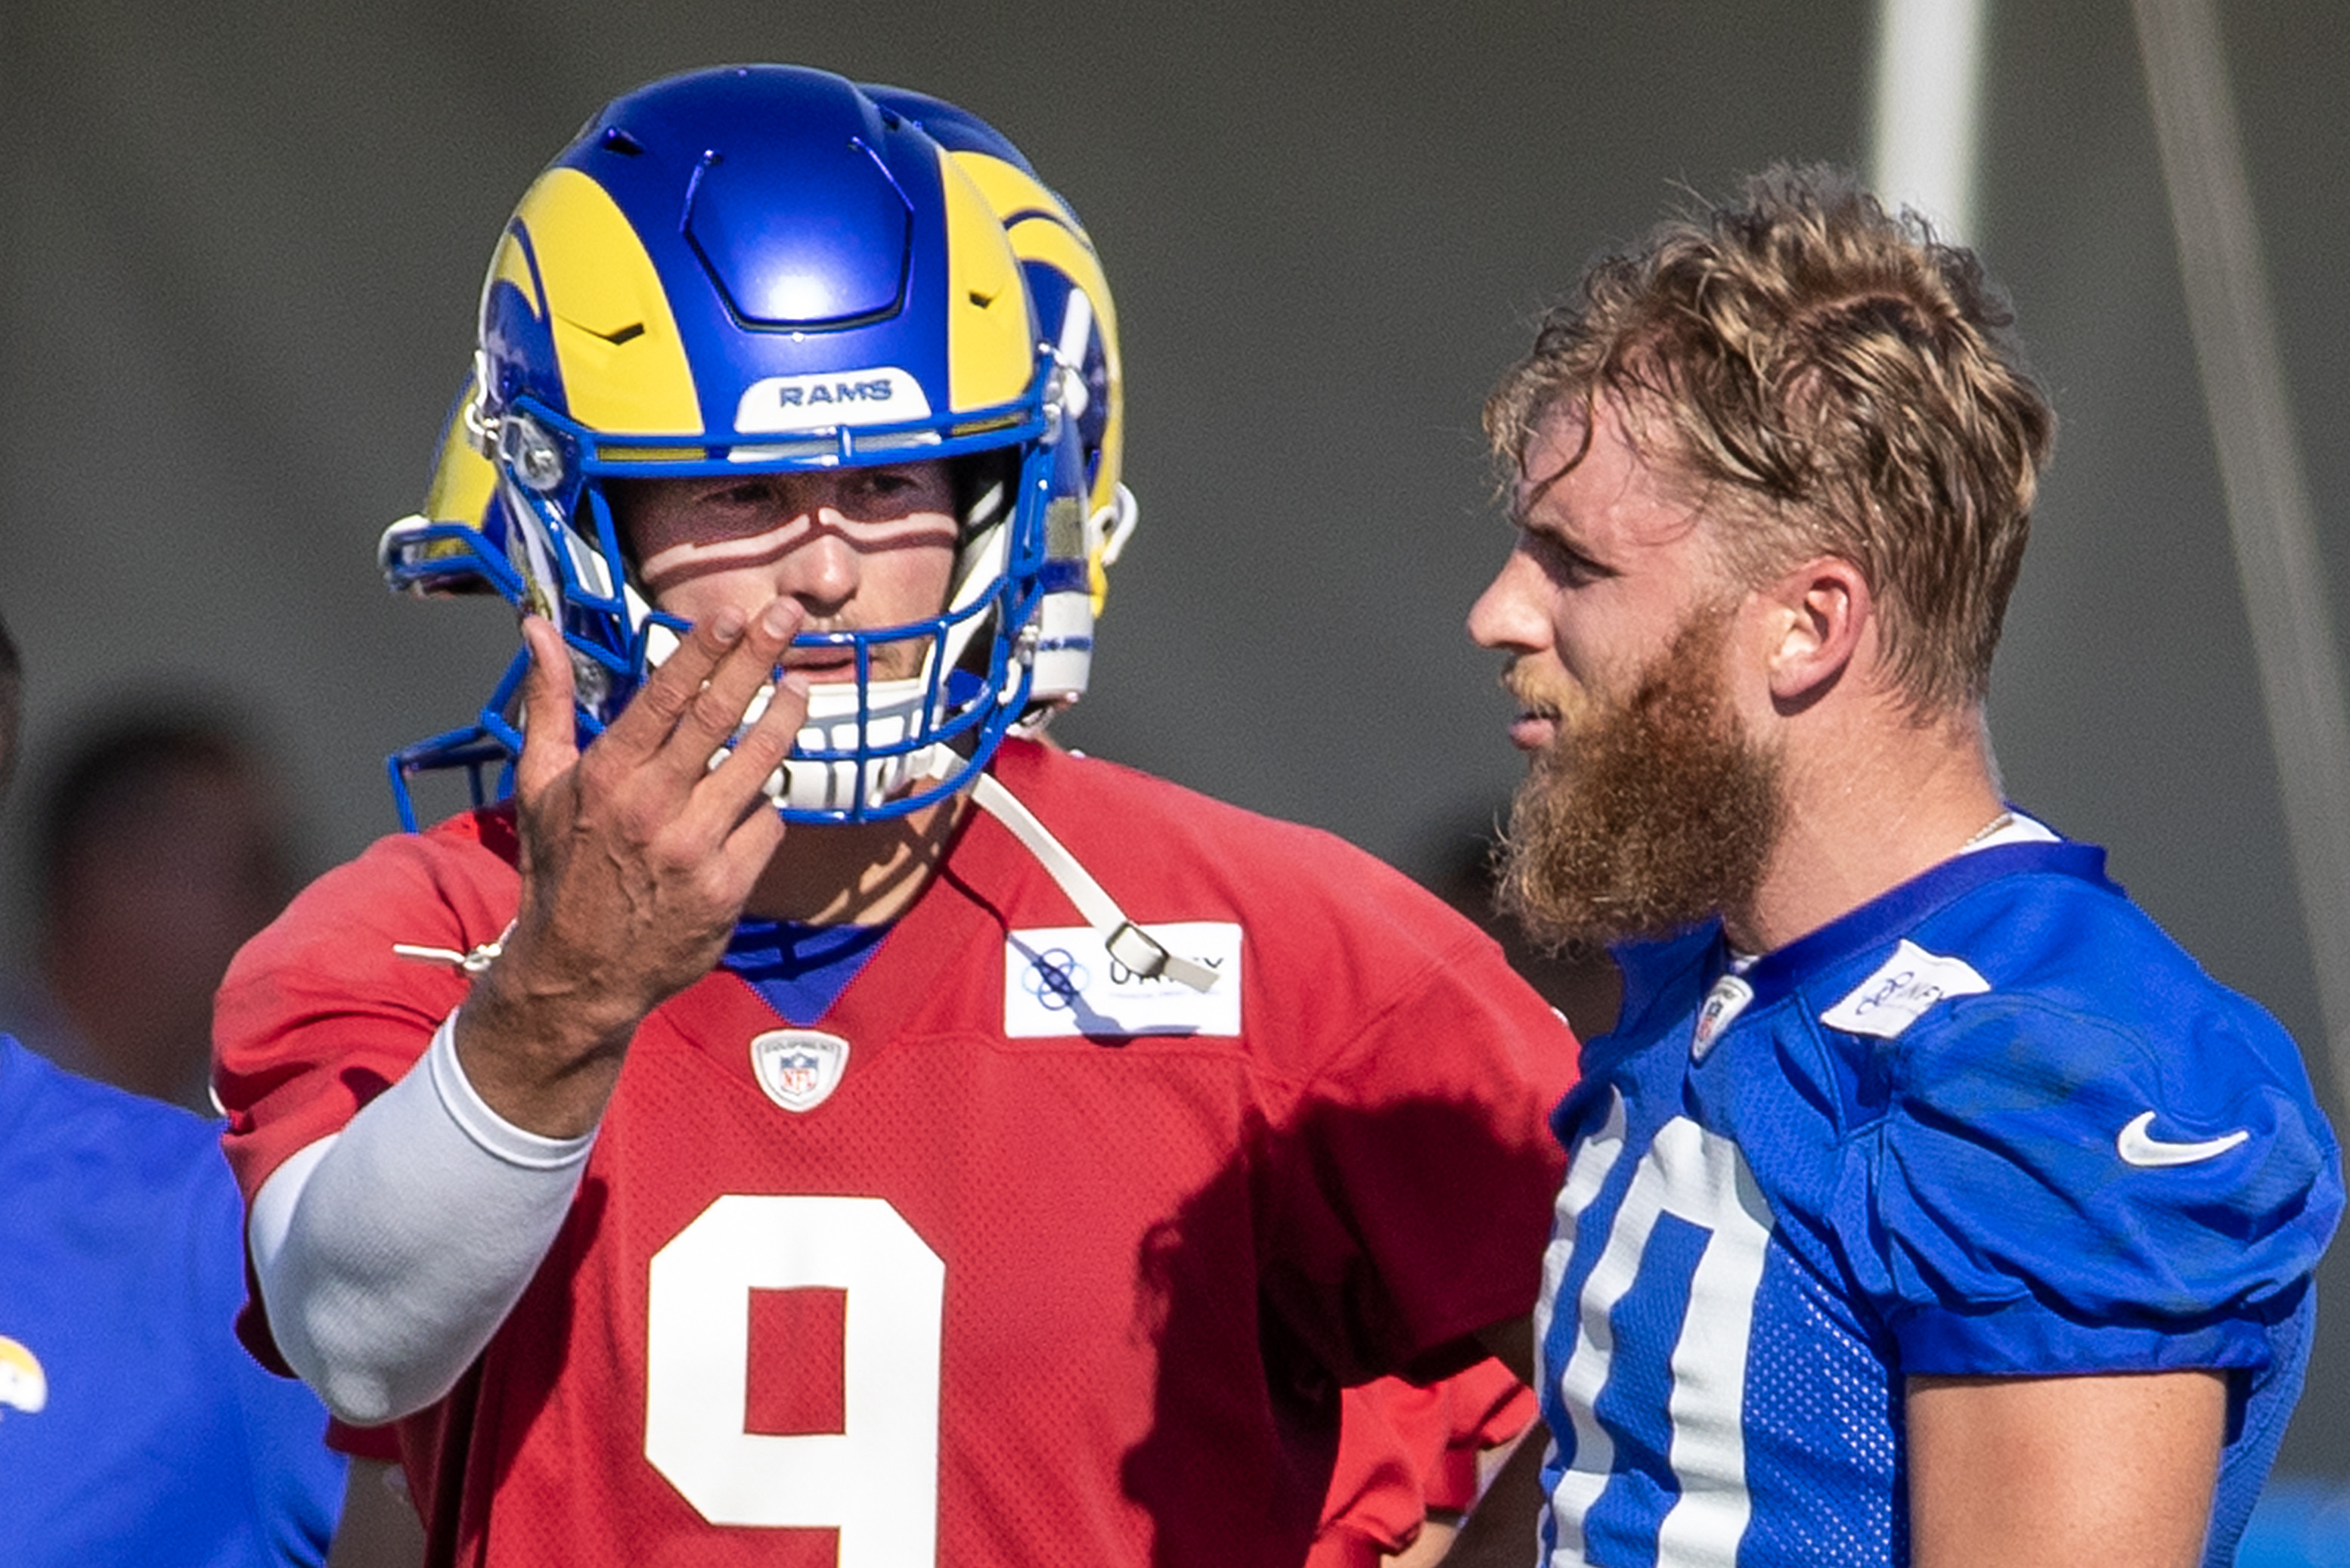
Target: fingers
point(718, 711)
point(738, 785)
point(692, 704)
point(727, 804)
point(646, 722)
point(760, 749)
point(550, 734)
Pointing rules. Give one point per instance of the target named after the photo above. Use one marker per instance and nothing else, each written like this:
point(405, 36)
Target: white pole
point(2269, 513)
point(1924, 142)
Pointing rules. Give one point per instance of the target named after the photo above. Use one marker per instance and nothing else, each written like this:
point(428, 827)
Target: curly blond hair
point(1820, 378)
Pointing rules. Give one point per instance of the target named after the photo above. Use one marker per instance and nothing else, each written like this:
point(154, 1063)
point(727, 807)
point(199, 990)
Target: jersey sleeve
point(1376, 1498)
point(1407, 1450)
point(320, 1013)
point(1484, 1408)
point(1412, 1193)
point(2053, 1193)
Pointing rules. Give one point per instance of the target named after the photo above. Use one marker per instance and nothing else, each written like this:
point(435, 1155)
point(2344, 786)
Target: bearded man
point(1928, 1204)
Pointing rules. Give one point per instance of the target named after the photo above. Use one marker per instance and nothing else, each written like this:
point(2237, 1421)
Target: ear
point(1820, 615)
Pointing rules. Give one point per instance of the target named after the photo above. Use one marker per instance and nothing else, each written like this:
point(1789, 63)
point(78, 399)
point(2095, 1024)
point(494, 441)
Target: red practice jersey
point(1015, 1258)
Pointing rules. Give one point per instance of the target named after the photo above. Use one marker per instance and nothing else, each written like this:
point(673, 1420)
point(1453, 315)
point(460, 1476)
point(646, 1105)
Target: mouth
point(1536, 723)
point(822, 663)
point(1533, 730)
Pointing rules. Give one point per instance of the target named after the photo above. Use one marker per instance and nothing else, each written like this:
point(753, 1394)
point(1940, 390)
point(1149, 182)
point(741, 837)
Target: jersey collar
point(1894, 913)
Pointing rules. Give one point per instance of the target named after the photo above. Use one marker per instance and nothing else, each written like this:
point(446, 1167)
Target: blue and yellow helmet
point(767, 267)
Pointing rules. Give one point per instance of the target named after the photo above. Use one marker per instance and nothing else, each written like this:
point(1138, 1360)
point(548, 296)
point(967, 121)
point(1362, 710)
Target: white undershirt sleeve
point(389, 1252)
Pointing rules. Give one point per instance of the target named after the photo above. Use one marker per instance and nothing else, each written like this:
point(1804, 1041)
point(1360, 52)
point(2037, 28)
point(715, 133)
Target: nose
point(1509, 614)
point(824, 570)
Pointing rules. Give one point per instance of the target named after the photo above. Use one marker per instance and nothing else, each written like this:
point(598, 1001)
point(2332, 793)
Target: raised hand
point(636, 858)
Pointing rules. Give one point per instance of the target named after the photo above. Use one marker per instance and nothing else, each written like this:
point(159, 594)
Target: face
point(860, 548)
point(1605, 573)
point(1648, 806)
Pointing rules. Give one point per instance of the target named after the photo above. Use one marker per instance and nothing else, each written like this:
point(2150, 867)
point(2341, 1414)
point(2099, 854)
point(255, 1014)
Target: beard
point(1645, 816)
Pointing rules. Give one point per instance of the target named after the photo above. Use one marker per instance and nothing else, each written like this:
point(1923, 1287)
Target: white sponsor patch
point(882, 395)
point(799, 1068)
point(1900, 991)
point(1062, 981)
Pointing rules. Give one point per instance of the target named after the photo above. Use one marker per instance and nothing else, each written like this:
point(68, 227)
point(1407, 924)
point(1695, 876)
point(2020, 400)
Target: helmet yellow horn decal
point(615, 340)
point(990, 346)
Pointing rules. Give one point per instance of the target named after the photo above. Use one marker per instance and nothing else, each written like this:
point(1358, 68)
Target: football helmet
point(765, 268)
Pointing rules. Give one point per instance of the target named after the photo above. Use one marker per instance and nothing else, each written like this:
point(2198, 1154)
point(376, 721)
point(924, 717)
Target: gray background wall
point(241, 242)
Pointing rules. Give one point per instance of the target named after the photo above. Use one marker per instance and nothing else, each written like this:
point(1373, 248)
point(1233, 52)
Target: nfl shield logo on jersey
point(799, 1068)
point(1723, 1003)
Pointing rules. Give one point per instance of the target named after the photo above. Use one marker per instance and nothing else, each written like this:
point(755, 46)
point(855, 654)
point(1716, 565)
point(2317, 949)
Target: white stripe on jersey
point(1587, 1172)
point(1700, 1177)
point(1595, 1156)
point(1708, 1398)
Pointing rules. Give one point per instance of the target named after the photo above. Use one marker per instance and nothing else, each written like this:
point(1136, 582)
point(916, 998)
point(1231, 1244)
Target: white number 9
point(876, 1482)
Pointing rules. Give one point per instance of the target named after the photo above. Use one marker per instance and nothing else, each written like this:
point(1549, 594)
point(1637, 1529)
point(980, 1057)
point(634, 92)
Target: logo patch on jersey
point(1723, 1003)
point(799, 1068)
point(1900, 991)
point(2138, 1146)
point(22, 1382)
point(1061, 980)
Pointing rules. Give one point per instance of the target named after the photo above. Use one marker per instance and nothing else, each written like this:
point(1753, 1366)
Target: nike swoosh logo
point(2140, 1147)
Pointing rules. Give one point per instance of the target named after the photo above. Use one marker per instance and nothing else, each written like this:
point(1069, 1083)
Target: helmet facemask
point(872, 746)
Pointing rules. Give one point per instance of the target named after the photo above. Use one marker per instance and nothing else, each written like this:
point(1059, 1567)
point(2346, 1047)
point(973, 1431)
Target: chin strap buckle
point(1128, 943)
point(1143, 953)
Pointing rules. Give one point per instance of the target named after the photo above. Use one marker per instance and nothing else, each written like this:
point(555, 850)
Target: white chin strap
point(1128, 943)
point(893, 710)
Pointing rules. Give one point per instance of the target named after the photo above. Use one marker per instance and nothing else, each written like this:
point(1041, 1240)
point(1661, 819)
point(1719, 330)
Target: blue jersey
point(134, 1428)
point(1994, 1123)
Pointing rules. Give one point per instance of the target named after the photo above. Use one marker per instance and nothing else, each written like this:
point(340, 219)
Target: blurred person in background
point(160, 845)
point(134, 1429)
